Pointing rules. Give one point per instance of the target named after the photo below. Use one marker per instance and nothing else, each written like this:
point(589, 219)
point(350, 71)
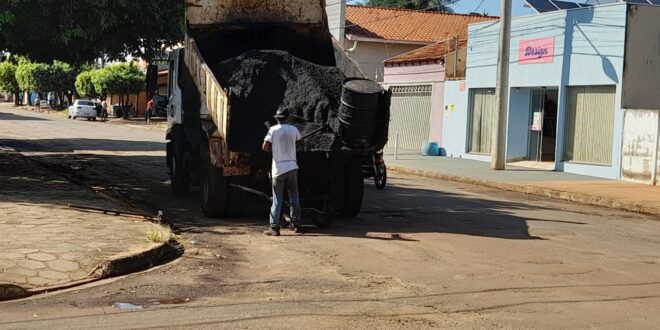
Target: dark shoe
point(296, 228)
point(272, 232)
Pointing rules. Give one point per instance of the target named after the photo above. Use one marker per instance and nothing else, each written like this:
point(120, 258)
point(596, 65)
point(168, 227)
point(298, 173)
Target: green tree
point(62, 79)
point(121, 79)
point(85, 85)
point(431, 5)
point(81, 31)
point(8, 83)
point(33, 77)
point(42, 78)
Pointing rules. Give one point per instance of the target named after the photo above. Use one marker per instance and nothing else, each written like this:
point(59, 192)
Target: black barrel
point(382, 122)
point(360, 101)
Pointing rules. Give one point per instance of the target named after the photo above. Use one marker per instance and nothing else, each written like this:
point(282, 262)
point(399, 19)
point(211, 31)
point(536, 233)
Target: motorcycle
point(374, 167)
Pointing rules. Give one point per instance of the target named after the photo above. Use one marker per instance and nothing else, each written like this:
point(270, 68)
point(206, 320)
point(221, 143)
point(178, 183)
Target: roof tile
point(431, 53)
point(407, 25)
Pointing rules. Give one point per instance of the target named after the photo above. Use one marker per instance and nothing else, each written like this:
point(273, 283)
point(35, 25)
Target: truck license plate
point(236, 171)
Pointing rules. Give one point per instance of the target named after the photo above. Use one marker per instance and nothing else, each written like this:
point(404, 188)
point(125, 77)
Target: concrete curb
point(533, 190)
point(116, 266)
point(135, 262)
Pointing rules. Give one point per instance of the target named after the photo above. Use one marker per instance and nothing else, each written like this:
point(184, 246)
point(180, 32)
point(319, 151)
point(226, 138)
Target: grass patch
point(159, 234)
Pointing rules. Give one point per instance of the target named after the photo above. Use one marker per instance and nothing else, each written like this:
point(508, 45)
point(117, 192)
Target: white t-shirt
point(283, 139)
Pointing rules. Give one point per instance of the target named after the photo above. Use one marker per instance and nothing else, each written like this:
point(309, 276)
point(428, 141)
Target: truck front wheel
point(180, 180)
point(353, 190)
point(214, 188)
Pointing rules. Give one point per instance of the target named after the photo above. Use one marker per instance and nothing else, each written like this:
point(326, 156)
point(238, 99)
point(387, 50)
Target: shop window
point(484, 105)
point(590, 124)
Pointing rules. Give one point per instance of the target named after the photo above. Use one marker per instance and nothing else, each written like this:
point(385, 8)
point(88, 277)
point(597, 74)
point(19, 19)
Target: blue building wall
point(517, 132)
point(588, 50)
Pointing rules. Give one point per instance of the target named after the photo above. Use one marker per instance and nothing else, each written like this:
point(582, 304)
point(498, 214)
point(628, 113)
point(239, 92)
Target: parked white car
point(83, 109)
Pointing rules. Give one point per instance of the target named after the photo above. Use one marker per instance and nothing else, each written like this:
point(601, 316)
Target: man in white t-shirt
point(281, 140)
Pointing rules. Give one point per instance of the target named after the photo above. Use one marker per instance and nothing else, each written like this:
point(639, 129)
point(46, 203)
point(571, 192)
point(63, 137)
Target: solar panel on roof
point(565, 4)
point(544, 6)
point(541, 6)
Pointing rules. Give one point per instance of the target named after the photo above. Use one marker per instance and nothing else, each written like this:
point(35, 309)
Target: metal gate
point(484, 105)
point(590, 124)
point(410, 117)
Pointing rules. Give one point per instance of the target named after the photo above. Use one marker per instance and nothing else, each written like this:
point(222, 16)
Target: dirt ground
point(422, 254)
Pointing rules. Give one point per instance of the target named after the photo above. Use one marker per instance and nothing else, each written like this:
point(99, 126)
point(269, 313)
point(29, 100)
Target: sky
point(492, 7)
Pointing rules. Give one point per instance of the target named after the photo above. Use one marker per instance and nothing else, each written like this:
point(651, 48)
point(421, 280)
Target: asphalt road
point(422, 254)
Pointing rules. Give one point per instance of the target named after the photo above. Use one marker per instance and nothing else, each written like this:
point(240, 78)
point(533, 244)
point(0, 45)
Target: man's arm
point(268, 141)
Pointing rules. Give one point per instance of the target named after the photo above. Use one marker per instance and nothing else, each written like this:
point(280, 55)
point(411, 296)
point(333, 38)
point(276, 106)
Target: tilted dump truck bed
point(269, 55)
point(222, 29)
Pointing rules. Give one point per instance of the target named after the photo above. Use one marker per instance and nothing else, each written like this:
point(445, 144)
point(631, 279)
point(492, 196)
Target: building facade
point(417, 81)
point(371, 35)
point(577, 78)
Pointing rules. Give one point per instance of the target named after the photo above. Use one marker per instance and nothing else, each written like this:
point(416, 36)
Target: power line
point(479, 6)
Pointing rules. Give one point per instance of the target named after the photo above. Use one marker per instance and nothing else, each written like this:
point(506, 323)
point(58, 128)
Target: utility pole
point(498, 148)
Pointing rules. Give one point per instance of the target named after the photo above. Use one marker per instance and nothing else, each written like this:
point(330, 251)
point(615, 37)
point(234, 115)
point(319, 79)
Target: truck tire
point(180, 180)
point(179, 165)
point(336, 191)
point(214, 188)
point(353, 190)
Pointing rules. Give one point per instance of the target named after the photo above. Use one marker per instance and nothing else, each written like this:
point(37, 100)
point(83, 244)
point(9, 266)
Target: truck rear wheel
point(238, 202)
point(353, 190)
point(214, 189)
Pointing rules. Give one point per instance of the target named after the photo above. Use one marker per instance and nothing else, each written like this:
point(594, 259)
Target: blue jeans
point(290, 181)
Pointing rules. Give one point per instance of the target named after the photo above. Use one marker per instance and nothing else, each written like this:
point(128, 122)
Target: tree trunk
point(17, 100)
point(126, 109)
point(151, 80)
point(69, 97)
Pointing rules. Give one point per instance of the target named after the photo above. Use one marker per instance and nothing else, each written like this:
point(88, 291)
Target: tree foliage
point(62, 77)
point(431, 5)
point(43, 78)
point(81, 31)
point(8, 83)
point(119, 79)
point(57, 77)
point(33, 76)
point(85, 85)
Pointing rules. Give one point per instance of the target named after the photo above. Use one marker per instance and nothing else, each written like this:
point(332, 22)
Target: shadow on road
point(76, 144)
point(387, 215)
point(10, 116)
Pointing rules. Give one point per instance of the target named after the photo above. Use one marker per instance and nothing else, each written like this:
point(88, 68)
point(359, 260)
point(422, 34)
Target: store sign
point(461, 86)
point(537, 122)
point(536, 51)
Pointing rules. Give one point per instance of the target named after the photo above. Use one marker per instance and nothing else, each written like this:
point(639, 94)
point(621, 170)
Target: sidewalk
point(45, 244)
point(582, 189)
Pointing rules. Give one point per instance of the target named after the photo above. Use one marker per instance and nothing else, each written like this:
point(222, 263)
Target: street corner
point(47, 244)
point(50, 258)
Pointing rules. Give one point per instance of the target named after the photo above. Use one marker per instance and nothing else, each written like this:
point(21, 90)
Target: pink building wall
point(423, 74)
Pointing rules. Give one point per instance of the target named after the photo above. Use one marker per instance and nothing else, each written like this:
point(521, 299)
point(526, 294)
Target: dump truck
point(212, 145)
